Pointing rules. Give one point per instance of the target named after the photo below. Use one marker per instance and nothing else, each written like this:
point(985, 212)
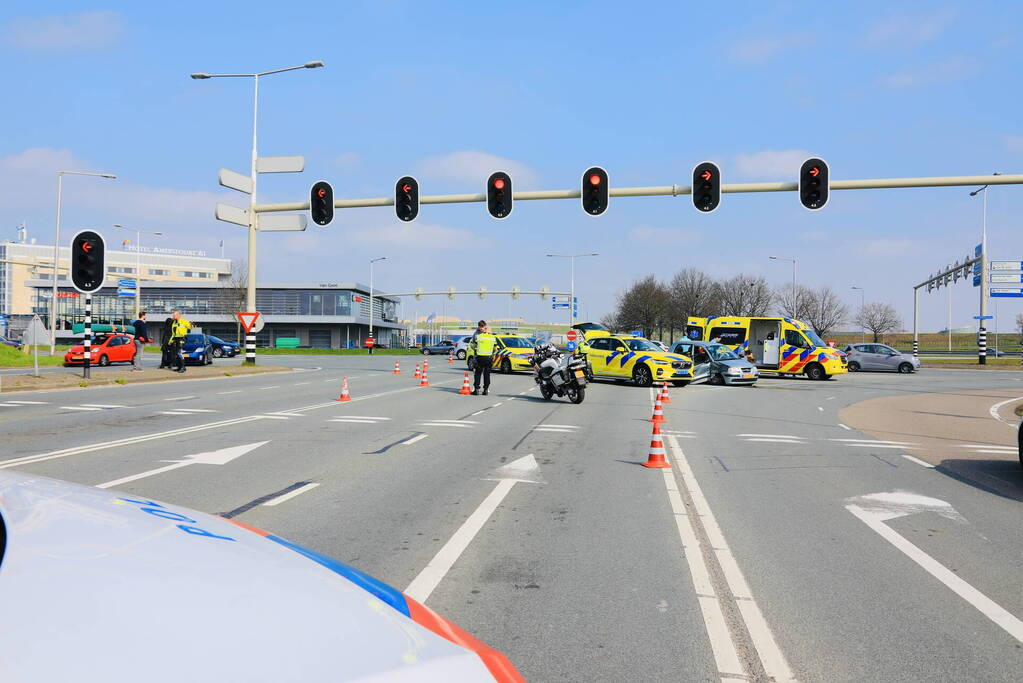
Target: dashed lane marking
point(845, 427)
point(291, 494)
point(225, 393)
point(27, 403)
point(918, 461)
point(446, 424)
point(78, 408)
point(417, 437)
point(178, 398)
point(101, 406)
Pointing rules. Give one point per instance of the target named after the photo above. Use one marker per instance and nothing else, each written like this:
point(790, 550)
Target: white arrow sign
point(282, 222)
point(220, 457)
point(232, 214)
point(876, 508)
point(280, 164)
point(235, 181)
point(524, 469)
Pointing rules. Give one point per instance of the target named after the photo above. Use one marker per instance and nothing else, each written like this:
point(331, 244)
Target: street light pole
point(571, 303)
point(371, 262)
point(793, 260)
point(253, 227)
point(138, 262)
point(981, 327)
point(56, 252)
point(863, 330)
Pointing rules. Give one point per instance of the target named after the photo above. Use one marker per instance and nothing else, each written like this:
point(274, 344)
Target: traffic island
point(73, 377)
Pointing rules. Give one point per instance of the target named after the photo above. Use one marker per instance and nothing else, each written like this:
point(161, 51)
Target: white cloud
point(905, 30)
point(946, 71)
point(663, 236)
point(64, 32)
point(473, 168)
point(771, 164)
point(758, 50)
point(419, 236)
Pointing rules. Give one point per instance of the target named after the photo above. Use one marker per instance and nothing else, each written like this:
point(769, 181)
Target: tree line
point(658, 307)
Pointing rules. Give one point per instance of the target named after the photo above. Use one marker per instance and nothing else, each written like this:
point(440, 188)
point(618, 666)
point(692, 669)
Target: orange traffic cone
point(465, 390)
point(417, 374)
point(656, 457)
point(397, 369)
point(426, 365)
point(665, 398)
point(451, 357)
point(658, 411)
point(424, 382)
point(345, 396)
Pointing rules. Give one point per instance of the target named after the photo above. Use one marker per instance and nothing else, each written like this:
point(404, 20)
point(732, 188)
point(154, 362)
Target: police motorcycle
point(559, 373)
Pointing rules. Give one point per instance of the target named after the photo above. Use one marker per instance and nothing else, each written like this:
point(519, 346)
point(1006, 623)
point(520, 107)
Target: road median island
point(73, 377)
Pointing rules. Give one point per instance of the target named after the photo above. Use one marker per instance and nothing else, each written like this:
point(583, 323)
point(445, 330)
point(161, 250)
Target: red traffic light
point(707, 175)
point(498, 183)
point(86, 247)
point(406, 188)
point(815, 171)
point(321, 193)
point(594, 179)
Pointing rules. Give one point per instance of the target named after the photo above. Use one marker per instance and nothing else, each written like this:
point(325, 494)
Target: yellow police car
point(624, 356)
point(511, 352)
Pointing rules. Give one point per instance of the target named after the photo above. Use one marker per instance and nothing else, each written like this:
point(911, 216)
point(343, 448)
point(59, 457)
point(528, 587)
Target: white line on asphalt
point(773, 440)
point(355, 420)
point(285, 414)
point(820, 408)
point(993, 410)
point(773, 436)
point(291, 494)
point(170, 412)
point(846, 427)
point(417, 437)
point(298, 384)
point(196, 410)
point(467, 422)
point(771, 656)
point(830, 398)
point(991, 451)
point(78, 408)
point(497, 404)
point(30, 403)
point(143, 475)
point(104, 406)
point(884, 445)
point(872, 441)
point(918, 461)
point(988, 607)
point(984, 445)
point(552, 429)
point(224, 393)
point(547, 424)
point(178, 398)
point(273, 417)
point(444, 424)
point(275, 386)
point(478, 412)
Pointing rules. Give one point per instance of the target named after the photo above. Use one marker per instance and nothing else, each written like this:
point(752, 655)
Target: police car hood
point(101, 586)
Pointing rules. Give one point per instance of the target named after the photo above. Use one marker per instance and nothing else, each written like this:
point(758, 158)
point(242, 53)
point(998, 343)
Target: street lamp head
point(308, 65)
point(107, 175)
point(200, 76)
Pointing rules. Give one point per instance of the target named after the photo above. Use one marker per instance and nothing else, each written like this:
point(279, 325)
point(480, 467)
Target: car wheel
point(905, 368)
point(716, 378)
point(641, 376)
point(218, 353)
point(426, 352)
point(816, 371)
point(103, 361)
point(854, 366)
point(460, 355)
point(506, 366)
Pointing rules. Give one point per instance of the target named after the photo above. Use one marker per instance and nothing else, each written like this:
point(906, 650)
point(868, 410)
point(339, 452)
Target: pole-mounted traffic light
point(321, 203)
point(88, 261)
point(814, 183)
point(499, 194)
point(706, 186)
point(595, 191)
point(406, 198)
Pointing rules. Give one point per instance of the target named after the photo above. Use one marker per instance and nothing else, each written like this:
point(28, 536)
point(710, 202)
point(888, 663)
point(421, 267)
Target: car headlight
point(734, 371)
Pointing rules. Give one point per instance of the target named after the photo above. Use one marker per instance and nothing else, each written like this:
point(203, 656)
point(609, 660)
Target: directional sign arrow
point(524, 469)
point(815, 171)
point(219, 457)
point(86, 247)
point(877, 508)
point(706, 175)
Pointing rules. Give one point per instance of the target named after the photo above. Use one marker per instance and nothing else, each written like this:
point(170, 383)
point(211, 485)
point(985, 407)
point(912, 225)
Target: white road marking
point(274, 417)
point(445, 424)
point(478, 412)
point(196, 410)
point(725, 655)
point(104, 406)
point(170, 412)
point(428, 579)
point(875, 516)
point(846, 427)
point(275, 386)
point(874, 441)
point(467, 422)
point(417, 437)
point(298, 384)
point(78, 408)
point(918, 461)
point(830, 398)
point(983, 445)
point(773, 436)
point(29, 403)
point(285, 414)
point(497, 404)
point(178, 398)
point(993, 411)
point(820, 409)
point(355, 420)
point(545, 424)
point(218, 457)
point(552, 429)
point(291, 494)
point(995, 452)
point(772, 440)
point(901, 447)
point(224, 393)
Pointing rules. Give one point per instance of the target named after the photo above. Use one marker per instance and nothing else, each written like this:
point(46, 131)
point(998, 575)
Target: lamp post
point(56, 251)
point(371, 262)
point(571, 303)
point(138, 261)
point(981, 328)
point(793, 260)
point(863, 331)
point(250, 293)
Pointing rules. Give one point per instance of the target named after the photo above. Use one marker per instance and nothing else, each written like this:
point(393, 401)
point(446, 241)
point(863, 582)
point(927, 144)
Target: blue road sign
point(126, 292)
point(983, 317)
point(126, 283)
point(637, 333)
point(1006, 292)
point(570, 346)
point(557, 306)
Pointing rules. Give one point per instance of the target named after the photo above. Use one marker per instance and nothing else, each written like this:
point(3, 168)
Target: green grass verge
point(12, 358)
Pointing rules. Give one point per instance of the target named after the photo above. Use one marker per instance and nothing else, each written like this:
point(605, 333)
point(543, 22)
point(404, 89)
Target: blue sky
point(451, 91)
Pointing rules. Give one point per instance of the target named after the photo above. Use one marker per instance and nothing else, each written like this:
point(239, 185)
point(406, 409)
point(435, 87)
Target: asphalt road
point(783, 544)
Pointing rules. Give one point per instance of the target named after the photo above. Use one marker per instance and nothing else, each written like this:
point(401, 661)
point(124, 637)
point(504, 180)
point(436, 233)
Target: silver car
point(879, 357)
point(715, 363)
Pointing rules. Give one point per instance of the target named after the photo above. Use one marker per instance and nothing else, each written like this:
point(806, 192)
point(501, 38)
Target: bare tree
point(879, 318)
point(234, 294)
point(825, 311)
point(745, 295)
point(691, 292)
point(643, 305)
point(794, 302)
point(1019, 323)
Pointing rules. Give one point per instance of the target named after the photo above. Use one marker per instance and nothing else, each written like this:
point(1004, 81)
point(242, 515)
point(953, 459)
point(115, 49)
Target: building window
point(157, 271)
point(192, 273)
point(120, 269)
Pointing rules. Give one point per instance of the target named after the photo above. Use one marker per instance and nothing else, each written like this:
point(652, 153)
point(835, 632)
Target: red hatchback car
point(105, 349)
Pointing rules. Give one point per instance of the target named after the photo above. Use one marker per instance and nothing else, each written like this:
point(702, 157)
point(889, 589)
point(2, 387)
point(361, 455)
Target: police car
point(625, 356)
point(511, 352)
point(101, 586)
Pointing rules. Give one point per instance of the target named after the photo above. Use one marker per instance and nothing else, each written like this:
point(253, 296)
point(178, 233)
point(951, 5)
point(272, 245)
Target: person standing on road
point(179, 329)
point(141, 339)
point(165, 343)
point(483, 343)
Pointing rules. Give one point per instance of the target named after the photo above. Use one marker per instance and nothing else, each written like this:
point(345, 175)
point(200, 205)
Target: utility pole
point(371, 262)
point(571, 300)
point(981, 326)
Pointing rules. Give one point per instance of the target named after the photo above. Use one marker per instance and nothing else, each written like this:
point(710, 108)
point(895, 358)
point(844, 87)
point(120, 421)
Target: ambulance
point(779, 345)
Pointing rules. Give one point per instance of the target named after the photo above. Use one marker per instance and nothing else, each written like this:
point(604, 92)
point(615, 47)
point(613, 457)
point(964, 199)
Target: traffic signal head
point(499, 194)
point(595, 191)
point(706, 186)
point(88, 261)
point(321, 203)
point(814, 183)
point(406, 198)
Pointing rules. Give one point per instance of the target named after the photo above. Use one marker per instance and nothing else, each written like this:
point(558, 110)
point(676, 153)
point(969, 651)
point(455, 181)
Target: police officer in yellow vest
point(483, 343)
point(179, 328)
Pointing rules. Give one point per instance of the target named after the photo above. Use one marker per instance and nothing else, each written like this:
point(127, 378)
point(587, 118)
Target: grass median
point(72, 378)
point(962, 363)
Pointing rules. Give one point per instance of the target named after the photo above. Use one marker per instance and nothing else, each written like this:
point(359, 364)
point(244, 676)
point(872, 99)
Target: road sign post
point(252, 322)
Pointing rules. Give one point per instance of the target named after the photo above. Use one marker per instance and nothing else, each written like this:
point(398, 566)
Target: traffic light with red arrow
point(321, 203)
point(814, 183)
point(406, 198)
point(706, 186)
point(88, 261)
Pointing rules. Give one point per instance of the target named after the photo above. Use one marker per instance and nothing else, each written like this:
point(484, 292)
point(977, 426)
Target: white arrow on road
point(219, 457)
point(876, 508)
point(524, 469)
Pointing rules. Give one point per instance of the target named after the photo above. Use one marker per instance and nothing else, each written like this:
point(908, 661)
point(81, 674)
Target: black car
point(223, 349)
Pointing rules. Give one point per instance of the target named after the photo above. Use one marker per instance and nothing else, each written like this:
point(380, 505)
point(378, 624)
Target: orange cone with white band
point(424, 382)
point(451, 357)
point(426, 365)
point(397, 368)
point(656, 457)
point(417, 374)
point(345, 396)
point(665, 399)
point(466, 389)
point(658, 411)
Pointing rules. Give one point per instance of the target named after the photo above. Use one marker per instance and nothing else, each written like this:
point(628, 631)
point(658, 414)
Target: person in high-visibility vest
point(179, 329)
point(483, 343)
